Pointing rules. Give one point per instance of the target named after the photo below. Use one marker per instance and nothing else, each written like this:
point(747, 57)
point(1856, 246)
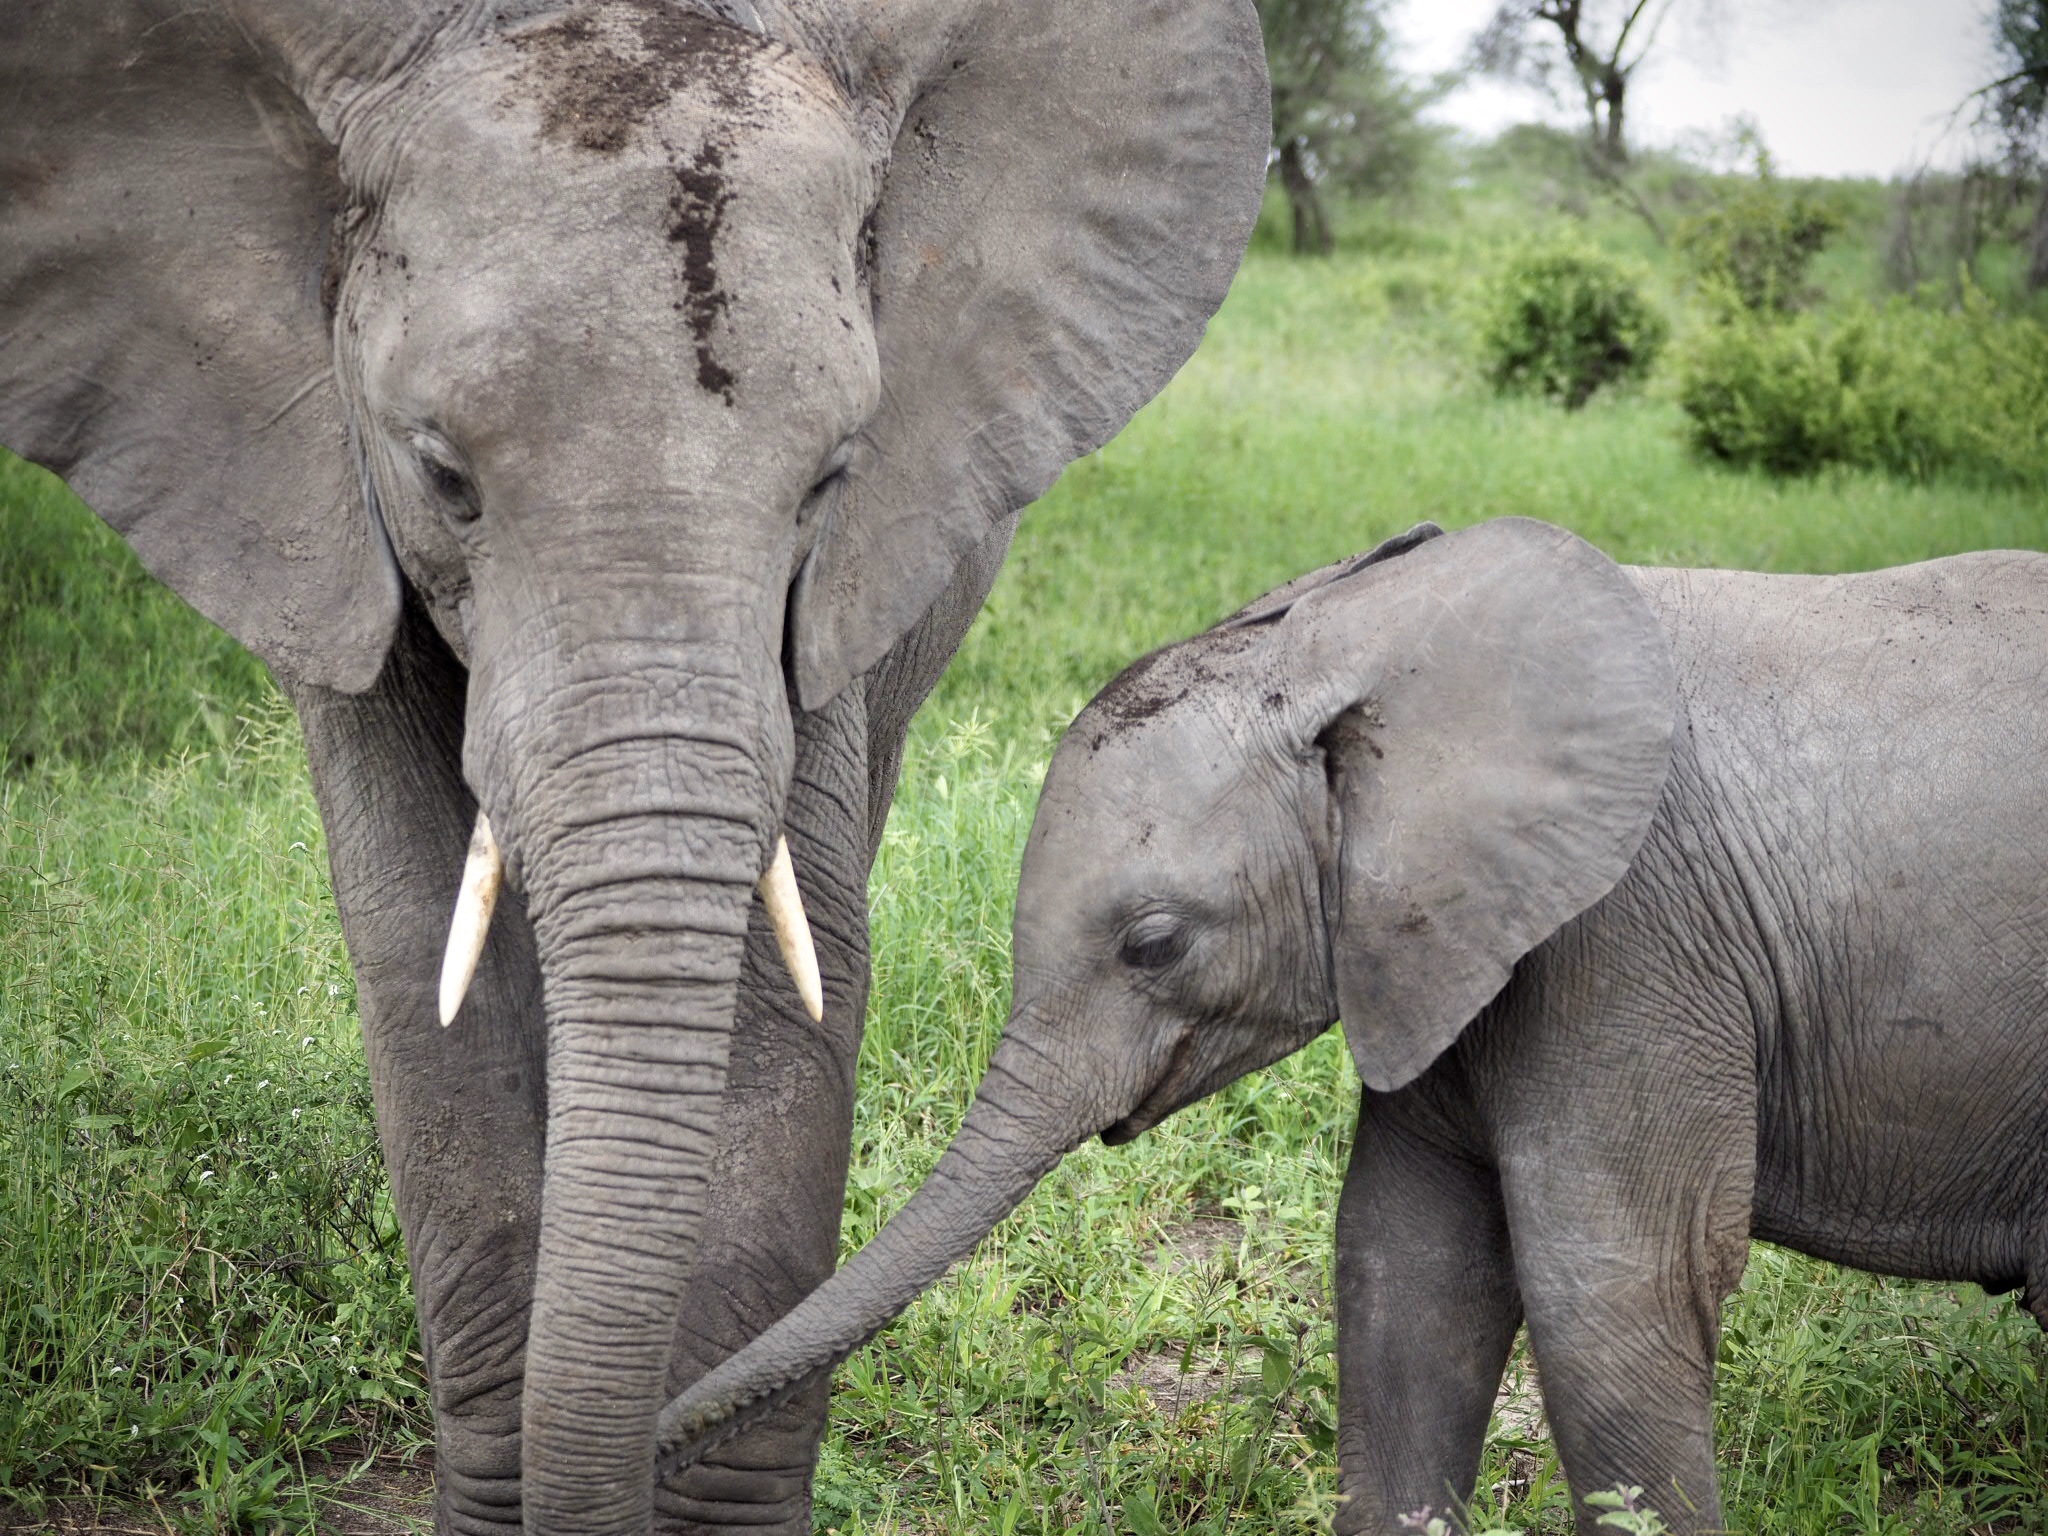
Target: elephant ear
point(1495, 712)
point(1071, 187)
point(166, 221)
point(1276, 604)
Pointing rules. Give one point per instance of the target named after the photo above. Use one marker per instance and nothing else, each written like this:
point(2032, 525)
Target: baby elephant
point(1663, 908)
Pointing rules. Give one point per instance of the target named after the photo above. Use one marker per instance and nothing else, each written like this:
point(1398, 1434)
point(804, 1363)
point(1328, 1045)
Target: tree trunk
point(1311, 229)
point(2037, 241)
point(1612, 142)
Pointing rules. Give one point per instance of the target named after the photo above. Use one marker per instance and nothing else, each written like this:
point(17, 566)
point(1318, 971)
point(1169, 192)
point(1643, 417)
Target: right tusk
point(777, 886)
point(482, 873)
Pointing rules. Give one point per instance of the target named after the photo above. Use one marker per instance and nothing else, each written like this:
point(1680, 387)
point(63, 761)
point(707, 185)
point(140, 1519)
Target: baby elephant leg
point(1624, 1261)
point(1426, 1313)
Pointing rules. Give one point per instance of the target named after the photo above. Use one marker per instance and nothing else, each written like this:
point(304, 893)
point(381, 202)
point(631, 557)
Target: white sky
point(1839, 87)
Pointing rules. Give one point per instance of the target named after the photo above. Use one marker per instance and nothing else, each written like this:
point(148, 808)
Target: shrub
point(1751, 250)
point(1903, 388)
point(1565, 321)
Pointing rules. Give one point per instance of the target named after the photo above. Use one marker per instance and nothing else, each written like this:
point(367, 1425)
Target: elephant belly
point(1913, 1145)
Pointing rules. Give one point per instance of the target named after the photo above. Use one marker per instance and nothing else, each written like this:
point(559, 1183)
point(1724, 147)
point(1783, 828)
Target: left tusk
point(482, 873)
point(777, 886)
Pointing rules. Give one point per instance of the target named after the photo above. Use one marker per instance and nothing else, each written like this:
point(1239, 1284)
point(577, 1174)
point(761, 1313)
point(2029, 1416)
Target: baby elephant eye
point(1154, 942)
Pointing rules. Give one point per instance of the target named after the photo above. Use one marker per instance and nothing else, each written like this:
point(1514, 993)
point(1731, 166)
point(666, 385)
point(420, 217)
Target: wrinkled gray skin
point(610, 416)
point(1663, 908)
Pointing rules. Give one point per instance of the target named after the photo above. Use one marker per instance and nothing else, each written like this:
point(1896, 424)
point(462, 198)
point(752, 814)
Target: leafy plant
point(1902, 387)
point(1753, 247)
point(1566, 321)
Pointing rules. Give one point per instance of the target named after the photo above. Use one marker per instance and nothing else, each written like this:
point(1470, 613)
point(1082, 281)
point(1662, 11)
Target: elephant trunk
point(640, 815)
point(1026, 1116)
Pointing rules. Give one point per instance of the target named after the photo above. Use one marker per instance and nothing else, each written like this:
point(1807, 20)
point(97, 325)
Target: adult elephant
point(604, 420)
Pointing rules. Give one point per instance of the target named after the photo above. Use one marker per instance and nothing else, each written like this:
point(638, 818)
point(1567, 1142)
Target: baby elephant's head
point(1367, 795)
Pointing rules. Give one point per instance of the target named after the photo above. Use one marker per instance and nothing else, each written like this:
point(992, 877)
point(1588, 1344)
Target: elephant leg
point(459, 1110)
point(1631, 1227)
point(771, 1228)
point(1427, 1310)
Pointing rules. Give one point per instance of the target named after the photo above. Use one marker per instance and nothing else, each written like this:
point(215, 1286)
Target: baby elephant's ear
point(1495, 711)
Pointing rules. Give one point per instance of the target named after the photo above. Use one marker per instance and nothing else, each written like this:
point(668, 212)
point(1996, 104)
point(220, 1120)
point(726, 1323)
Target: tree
point(1340, 110)
point(1599, 43)
point(2016, 107)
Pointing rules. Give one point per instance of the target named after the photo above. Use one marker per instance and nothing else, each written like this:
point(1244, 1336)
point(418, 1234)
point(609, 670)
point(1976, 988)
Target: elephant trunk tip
point(708, 1414)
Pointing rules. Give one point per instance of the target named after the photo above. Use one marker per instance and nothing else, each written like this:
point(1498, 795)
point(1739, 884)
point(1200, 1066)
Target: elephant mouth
point(1168, 1094)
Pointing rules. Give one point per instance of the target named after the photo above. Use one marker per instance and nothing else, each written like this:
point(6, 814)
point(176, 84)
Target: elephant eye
point(1154, 942)
point(449, 484)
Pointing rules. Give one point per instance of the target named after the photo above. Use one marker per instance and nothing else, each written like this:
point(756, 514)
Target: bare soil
point(384, 1496)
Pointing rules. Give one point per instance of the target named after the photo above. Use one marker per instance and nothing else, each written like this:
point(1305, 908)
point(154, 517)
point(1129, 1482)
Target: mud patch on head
point(601, 73)
point(697, 209)
point(1154, 683)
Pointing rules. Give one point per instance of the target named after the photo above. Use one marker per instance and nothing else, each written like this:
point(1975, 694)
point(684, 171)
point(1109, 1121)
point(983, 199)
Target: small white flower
point(204, 1157)
point(229, 1078)
point(305, 991)
point(271, 1180)
point(305, 1042)
point(264, 1084)
point(333, 990)
point(334, 1339)
point(134, 1430)
point(205, 1176)
point(295, 1114)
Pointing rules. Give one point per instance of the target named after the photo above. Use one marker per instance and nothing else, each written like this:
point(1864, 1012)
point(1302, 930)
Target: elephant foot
point(476, 1466)
point(475, 1506)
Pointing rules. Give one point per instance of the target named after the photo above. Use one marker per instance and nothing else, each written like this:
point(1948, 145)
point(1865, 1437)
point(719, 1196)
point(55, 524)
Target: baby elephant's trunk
point(1016, 1131)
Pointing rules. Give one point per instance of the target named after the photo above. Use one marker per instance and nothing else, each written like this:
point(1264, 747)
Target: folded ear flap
point(1275, 605)
point(1495, 709)
point(1071, 188)
point(166, 222)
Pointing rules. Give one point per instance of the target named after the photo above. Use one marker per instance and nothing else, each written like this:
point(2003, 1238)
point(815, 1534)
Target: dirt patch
point(600, 74)
point(1177, 1381)
point(1173, 1378)
point(1155, 682)
point(385, 1496)
point(1195, 1243)
point(696, 210)
point(1518, 1419)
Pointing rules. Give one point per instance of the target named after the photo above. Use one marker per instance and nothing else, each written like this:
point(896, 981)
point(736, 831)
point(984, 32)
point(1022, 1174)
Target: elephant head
point(668, 358)
point(1365, 796)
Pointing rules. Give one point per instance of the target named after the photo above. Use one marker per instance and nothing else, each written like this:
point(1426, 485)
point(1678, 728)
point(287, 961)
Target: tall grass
point(199, 1289)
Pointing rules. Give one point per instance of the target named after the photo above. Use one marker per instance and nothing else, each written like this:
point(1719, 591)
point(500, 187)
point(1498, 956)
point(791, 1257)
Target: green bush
point(1563, 322)
point(1903, 388)
point(1751, 250)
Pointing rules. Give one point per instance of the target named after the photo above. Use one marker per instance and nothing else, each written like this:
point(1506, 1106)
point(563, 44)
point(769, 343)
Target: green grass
point(199, 1293)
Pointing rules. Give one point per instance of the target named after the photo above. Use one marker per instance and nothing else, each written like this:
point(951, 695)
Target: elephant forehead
point(1131, 789)
point(523, 255)
point(576, 113)
point(600, 77)
point(1172, 719)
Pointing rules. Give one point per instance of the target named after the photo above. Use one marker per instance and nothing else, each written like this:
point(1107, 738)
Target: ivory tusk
point(482, 873)
point(777, 886)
